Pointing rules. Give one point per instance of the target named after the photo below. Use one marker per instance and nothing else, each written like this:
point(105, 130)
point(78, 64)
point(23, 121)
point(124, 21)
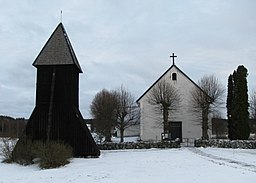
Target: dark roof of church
point(57, 50)
point(173, 65)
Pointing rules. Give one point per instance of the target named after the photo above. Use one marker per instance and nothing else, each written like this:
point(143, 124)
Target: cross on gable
point(173, 57)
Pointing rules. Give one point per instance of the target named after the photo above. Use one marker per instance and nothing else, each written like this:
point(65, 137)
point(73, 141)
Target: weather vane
point(61, 16)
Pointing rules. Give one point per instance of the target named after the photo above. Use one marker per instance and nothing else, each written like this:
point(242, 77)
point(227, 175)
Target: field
point(208, 165)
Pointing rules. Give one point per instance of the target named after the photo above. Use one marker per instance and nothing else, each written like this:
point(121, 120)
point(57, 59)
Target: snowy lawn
point(206, 165)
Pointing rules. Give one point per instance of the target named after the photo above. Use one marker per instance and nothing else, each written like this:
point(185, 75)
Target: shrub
point(52, 154)
point(8, 145)
point(23, 152)
point(49, 154)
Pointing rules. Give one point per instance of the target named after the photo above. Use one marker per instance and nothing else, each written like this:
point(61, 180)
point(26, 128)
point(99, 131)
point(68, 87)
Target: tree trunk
point(205, 124)
point(121, 134)
point(108, 138)
point(165, 116)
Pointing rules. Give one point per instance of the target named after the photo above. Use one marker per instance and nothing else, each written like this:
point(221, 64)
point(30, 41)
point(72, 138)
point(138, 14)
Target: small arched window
point(174, 76)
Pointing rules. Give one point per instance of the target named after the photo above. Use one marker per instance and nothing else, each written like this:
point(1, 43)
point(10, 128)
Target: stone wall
point(242, 144)
point(138, 145)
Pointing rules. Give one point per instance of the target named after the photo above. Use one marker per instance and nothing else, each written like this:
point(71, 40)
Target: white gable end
point(151, 120)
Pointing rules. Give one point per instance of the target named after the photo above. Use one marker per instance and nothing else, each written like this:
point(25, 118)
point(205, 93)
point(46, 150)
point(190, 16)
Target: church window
point(174, 76)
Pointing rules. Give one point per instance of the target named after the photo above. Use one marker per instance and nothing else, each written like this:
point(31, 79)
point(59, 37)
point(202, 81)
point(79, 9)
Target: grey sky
point(124, 42)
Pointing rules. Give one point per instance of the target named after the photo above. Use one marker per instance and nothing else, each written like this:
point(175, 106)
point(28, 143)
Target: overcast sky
point(124, 42)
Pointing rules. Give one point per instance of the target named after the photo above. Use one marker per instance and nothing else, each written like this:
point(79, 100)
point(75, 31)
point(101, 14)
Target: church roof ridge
point(57, 50)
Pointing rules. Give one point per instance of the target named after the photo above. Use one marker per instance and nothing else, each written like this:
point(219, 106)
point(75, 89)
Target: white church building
point(183, 123)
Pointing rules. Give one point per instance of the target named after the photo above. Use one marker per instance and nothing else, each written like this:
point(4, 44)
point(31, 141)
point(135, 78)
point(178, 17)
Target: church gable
point(173, 75)
point(182, 122)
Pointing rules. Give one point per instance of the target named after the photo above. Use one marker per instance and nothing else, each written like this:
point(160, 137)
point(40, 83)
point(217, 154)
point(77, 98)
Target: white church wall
point(151, 127)
point(190, 123)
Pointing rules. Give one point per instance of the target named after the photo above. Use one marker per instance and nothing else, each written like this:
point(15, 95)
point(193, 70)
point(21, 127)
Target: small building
point(183, 122)
point(220, 128)
point(131, 131)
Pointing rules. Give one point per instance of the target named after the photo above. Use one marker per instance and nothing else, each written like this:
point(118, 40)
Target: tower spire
point(57, 50)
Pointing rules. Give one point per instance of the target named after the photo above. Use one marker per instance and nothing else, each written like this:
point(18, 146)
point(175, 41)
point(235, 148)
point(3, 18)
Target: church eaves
point(57, 50)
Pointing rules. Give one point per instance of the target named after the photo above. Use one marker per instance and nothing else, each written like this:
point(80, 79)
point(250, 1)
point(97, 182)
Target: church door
point(175, 129)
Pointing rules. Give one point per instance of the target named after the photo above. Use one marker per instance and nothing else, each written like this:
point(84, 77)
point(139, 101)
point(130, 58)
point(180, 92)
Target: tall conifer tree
point(242, 104)
point(238, 105)
point(230, 96)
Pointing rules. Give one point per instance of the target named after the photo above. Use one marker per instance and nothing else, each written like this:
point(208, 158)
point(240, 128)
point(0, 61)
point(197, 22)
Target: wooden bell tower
point(56, 115)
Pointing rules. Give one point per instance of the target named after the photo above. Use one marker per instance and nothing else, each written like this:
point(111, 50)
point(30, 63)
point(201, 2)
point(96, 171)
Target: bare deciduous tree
point(127, 112)
point(103, 110)
point(114, 109)
point(165, 98)
point(206, 98)
point(253, 105)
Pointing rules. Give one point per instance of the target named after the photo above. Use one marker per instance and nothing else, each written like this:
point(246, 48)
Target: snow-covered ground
point(207, 165)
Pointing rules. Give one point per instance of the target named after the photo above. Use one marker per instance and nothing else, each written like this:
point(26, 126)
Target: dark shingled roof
point(57, 50)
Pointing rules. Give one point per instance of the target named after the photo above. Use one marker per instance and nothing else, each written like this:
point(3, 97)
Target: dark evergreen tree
point(230, 96)
point(240, 105)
